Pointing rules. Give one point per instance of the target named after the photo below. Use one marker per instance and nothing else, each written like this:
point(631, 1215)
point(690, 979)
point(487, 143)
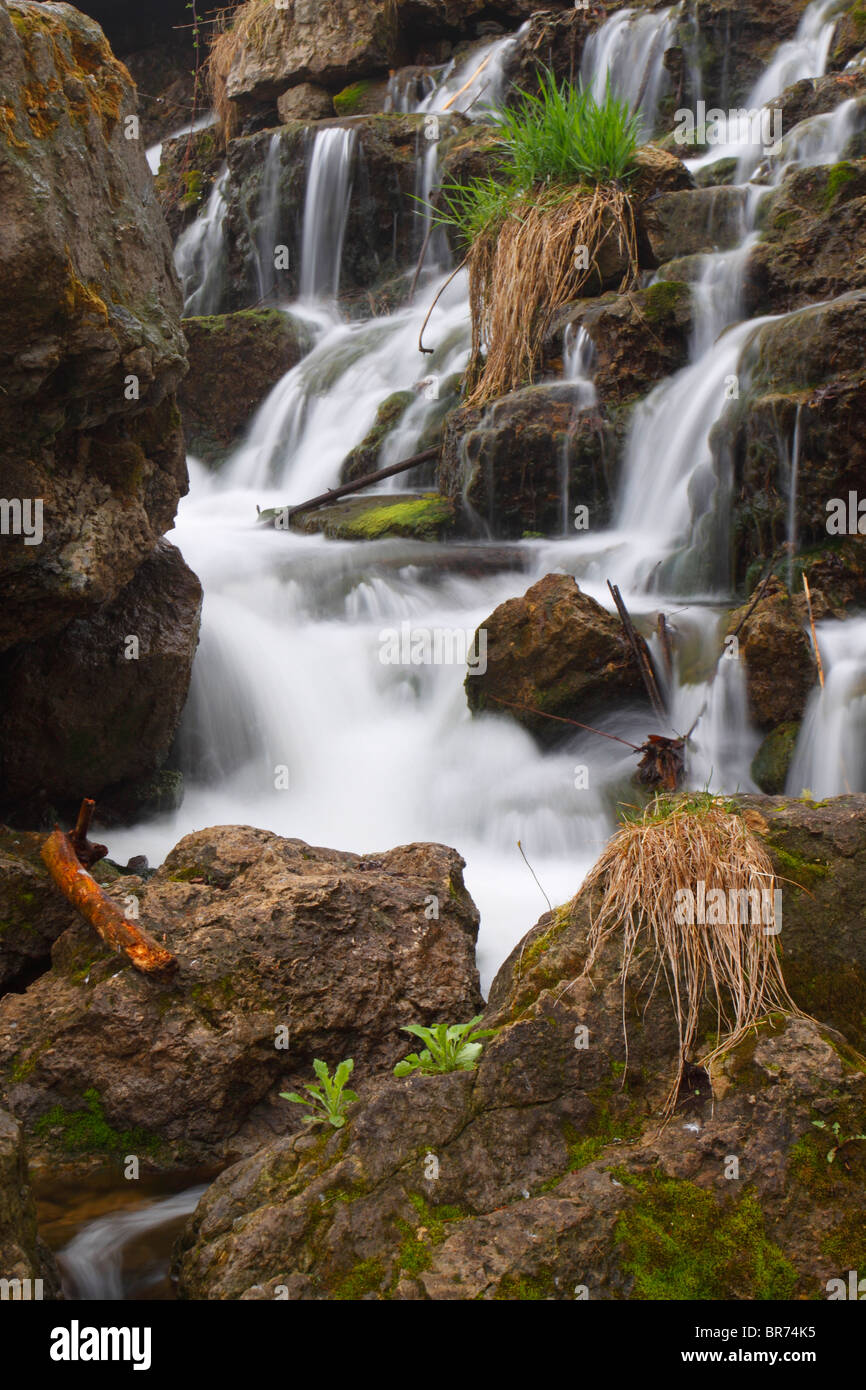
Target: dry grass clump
point(734, 962)
point(525, 268)
point(235, 28)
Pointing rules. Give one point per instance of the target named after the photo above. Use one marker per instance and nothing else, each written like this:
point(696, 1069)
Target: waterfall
point(326, 212)
point(200, 254)
point(268, 220)
point(153, 153)
point(476, 87)
point(628, 52)
point(289, 669)
point(830, 756)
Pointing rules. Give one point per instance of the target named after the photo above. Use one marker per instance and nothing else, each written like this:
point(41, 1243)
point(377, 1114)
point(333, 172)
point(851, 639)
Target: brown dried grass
point(525, 268)
point(734, 965)
point(234, 29)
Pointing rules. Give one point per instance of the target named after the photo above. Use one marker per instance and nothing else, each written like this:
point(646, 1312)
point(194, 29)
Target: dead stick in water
point(466, 85)
point(665, 642)
point(346, 489)
point(814, 633)
point(106, 918)
point(641, 653)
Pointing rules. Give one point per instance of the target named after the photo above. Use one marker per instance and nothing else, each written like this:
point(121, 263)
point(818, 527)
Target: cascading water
point(200, 254)
point(628, 53)
point(830, 756)
point(326, 210)
point(290, 673)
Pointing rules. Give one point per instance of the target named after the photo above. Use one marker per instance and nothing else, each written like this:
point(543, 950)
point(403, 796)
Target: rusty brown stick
point(106, 918)
point(814, 632)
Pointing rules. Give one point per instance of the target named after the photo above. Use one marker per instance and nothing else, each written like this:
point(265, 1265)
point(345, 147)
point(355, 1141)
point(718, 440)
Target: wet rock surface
point(555, 651)
point(106, 710)
point(275, 939)
point(503, 466)
point(547, 1173)
point(234, 361)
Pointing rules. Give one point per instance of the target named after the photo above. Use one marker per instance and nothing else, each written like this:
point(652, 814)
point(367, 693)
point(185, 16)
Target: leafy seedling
point(841, 1139)
point(454, 1047)
point(329, 1101)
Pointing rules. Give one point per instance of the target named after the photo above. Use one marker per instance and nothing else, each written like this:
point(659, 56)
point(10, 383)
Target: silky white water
point(290, 685)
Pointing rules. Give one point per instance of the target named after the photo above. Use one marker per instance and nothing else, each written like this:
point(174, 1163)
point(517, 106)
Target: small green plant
point(454, 1047)
point(329, 1101)
point(841, 1139)
point(559, 138)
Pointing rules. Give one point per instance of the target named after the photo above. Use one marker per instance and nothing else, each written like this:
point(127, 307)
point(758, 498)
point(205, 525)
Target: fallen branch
point(466, 85)
point(641, 653)
point(814, 633)
point(346, 488)
point(82, 890)
point(663, 762)
point(561, 719)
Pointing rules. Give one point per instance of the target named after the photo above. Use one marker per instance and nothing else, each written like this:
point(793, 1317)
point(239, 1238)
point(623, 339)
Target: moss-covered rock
point(773, 758)
point(373, 518)
point(545, 1174)
point(528, 459)
point(557, 651)
point(234, 361)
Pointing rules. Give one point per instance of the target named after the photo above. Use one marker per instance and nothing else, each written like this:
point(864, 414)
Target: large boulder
point(522, 464)
point(234, 361)
point(105, 696)
point(91, 448)
point(780, 665)
point(273, 49)
point(546, 1173)
point(637, 338)
point(286, 953)
point(91, 349)
point(557, 651)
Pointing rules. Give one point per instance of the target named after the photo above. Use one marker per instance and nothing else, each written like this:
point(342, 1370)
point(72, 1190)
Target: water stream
point(291, 671)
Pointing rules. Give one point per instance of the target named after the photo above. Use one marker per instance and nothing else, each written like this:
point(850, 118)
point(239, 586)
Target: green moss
point(349, 99)
point(192, 188)
point(532, 953)
point(846, 1243)
point(679, 1243)
point(773, 759)
point(525, 1288)
point(86, 1130)
point(664, 298)
point(365, 1277)
point(423, 519)
point(436, 1220)
point(801, 872)
point(838, 175)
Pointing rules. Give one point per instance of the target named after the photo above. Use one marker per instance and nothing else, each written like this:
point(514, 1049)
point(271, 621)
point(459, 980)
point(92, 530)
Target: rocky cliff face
point(92, 461)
